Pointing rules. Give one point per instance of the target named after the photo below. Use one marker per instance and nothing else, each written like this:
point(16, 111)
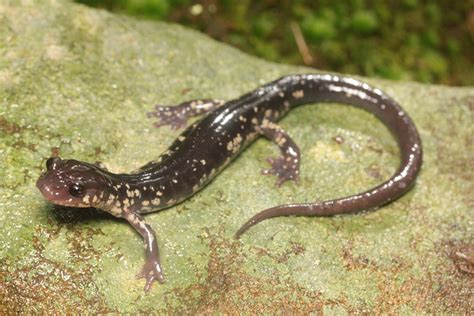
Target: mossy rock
point(78, 82)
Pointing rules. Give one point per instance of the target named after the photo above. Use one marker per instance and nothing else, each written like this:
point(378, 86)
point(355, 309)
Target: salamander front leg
point(176, 116)
point(287, 166)
point(151, 270)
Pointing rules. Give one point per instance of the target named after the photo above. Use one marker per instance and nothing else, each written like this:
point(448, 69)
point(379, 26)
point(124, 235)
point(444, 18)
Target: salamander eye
point(77, 190)
point(52, 162)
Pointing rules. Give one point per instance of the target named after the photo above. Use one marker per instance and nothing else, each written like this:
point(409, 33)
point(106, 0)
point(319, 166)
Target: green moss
point(263, 28)
point(318, 28)
point(411, 4)
point(155, 8)
point(78, 82)
point(364, 22)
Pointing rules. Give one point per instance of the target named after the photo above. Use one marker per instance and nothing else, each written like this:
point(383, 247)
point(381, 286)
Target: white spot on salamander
point(230, 146)
point(298, 94)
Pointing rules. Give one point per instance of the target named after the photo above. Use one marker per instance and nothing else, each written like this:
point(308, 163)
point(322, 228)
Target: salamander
point(207, 146)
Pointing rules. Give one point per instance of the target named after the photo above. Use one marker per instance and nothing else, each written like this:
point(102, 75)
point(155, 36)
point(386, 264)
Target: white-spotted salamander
point(206, 147)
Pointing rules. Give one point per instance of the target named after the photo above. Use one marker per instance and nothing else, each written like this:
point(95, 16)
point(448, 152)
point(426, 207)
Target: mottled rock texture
point(78, 82)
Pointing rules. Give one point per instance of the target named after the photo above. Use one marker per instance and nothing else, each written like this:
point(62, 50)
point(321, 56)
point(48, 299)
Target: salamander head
point(73, 183)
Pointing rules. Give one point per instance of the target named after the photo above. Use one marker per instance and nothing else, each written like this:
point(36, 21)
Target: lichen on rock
point(78, 82)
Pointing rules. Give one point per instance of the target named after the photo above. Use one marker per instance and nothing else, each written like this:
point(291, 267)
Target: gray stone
point(78, 82)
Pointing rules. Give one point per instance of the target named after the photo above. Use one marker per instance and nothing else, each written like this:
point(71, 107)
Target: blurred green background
point(422, 40)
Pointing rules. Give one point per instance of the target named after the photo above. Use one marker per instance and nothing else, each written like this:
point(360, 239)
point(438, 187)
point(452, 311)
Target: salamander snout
point(52, 189)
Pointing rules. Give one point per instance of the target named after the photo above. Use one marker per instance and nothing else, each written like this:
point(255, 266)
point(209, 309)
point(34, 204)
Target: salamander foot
point(174, 116)
point(177, 116)
point(284, 168)
point(151, 272)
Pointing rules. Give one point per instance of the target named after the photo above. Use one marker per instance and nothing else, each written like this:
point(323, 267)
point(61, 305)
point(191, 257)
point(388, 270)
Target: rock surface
point(78, 82)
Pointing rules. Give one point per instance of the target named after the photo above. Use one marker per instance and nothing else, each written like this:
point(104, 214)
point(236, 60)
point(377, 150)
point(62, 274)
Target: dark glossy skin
point(206, 147)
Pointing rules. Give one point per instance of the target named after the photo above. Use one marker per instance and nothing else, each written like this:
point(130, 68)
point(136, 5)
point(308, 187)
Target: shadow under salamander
point(74, 215)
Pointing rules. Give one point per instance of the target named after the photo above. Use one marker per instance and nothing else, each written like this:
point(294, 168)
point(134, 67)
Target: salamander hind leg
point(287, 166)
point(176, 116)
point(151, 270)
